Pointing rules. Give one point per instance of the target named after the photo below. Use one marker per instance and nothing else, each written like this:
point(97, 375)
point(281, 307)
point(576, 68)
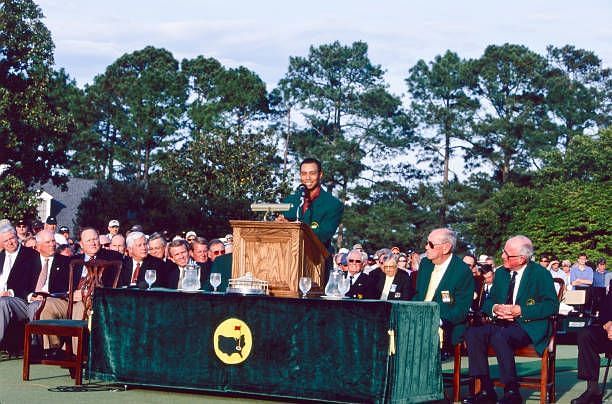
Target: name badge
point(445, 296)
point(393, 287)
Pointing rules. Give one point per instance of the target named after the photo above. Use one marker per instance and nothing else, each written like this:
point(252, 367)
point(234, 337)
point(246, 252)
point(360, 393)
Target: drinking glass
point(305, 285)
point(215, 280)
point(344, 284)
point(150, 276)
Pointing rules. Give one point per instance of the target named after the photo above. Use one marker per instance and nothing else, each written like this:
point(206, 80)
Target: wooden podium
point(279, 253)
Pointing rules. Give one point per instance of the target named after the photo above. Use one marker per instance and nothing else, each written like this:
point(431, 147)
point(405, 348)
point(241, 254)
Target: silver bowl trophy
point(270, 208)
point(247, 285)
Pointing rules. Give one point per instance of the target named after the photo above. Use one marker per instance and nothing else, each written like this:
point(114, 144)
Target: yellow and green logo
point(232, 341)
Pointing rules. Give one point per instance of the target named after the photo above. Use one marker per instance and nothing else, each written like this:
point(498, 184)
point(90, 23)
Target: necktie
point(351, 277)
point(135, 274)
point(510, 297)
point(42, 278)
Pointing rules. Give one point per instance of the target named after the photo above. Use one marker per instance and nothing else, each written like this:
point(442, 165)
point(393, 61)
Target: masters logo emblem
point(314, 225)
point(232, 341)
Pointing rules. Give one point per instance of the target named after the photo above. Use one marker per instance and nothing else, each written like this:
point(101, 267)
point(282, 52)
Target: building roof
point(65, 203)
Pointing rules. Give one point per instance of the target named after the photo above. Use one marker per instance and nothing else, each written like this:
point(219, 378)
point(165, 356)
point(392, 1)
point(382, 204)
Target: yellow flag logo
point(232, 341)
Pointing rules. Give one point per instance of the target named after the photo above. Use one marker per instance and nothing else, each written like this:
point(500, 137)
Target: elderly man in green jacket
point(445, 279)
point(522, 299)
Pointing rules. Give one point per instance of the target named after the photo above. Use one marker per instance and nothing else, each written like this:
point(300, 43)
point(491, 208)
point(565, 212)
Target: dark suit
point(58, 273)
point(361, 287)
point(149, 262)
point(20, 278)
point(538, 301)
point(20, 281)
point(401, 288)
point(592, 341)
point(458, 281)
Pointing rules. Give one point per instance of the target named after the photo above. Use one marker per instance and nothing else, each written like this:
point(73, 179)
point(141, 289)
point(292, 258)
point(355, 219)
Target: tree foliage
point(34, 128)
point(567, 218)
point(18, 202)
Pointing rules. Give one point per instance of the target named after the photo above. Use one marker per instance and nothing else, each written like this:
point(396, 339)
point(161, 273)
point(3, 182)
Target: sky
point(262, 35)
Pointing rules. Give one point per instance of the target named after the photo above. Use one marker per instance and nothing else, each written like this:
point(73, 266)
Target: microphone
point(302, 189)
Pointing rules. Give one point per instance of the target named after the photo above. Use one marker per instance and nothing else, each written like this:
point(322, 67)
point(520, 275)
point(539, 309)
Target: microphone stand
point(302, 189)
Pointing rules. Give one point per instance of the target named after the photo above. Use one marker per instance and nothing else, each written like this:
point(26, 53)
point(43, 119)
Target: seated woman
point(394, 284)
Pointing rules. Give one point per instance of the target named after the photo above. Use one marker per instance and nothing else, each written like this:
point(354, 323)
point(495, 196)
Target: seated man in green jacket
point(522, 299)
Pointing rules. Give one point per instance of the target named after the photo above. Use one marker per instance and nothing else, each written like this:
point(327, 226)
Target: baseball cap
point(113, 223)
point(51, 220)
point(357, 247)
point(482, 259)
point(191, 233)
point(136, 227)
point(64, 229)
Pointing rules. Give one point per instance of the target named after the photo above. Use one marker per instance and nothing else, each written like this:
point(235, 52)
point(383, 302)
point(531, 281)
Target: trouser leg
point(78, 310)
point(54, 309)
point(477, 340)
point(504, 341)
point(591, 342)
point(11, 309)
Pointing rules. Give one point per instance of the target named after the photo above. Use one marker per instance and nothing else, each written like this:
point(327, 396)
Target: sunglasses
point(432, 245)
point(354, 261)
point(218, 252)
point(389, 266)
point(510, 256)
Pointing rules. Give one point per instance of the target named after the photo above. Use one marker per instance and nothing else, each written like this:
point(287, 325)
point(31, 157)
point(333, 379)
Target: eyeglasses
point(218, 252)
point(546, 261)
point(402, 261)
point(432, 245)
point(354, 261)
point(508, 255)
point(389, 266)
point(565, 266)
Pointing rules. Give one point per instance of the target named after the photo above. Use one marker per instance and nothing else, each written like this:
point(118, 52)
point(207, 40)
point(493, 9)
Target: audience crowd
point(505, 306)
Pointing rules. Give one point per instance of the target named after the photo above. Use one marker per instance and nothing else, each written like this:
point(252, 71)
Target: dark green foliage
point(34, 126)
point(18, 202)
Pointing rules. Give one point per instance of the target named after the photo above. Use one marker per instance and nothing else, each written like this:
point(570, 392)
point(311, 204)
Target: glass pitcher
point(331, 289)
point(191, 280)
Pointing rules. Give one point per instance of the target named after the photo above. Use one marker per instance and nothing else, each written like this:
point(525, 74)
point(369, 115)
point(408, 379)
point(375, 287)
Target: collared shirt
point(436, 276)
point(49, 260)
point(517, 282)
point(385, 292)
point(9, 262)
point(585, 273)
point(353, 278)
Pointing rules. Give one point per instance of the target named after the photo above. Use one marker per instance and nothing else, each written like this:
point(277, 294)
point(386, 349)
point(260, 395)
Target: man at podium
point(313, 205)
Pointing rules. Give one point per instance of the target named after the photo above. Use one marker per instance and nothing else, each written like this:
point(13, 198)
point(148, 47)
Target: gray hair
point(525, 246)
point(157, 236)
point(449, 236)
point(132, 237)
point(8, 228)
point(355, 253)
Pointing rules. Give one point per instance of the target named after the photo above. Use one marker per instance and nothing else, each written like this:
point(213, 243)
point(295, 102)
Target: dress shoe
point(54, 354)
point(483, 397)
point(511, 397)
point(588, 397)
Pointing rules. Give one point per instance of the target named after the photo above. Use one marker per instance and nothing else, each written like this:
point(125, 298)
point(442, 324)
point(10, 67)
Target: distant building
point(63, 204)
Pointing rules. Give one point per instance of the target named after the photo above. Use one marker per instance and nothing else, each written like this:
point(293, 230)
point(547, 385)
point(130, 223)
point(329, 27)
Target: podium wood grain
point(279, 253)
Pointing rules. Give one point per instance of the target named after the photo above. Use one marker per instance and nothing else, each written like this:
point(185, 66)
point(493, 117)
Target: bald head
point(45, 243)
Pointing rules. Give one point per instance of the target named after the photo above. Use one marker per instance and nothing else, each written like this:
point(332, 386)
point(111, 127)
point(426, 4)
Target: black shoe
point(484, 397)
point(588, 397)
point(511, 397)
point(54, 354)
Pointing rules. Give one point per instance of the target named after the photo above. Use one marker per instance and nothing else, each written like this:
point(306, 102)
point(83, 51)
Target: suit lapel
point(523, 285)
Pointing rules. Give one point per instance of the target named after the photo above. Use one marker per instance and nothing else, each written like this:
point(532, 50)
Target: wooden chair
point(69, 327)
point(545, 382)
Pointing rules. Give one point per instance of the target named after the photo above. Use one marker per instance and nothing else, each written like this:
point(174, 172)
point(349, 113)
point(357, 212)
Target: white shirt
point(49, 264)
point(517, 282)
point(387, 287)
point(9, 261)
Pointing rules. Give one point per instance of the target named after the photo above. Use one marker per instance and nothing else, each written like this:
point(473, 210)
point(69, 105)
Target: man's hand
point(507, 311)
point(608, 327)
point(281, 219)
point(37, 297)
point(5, 293)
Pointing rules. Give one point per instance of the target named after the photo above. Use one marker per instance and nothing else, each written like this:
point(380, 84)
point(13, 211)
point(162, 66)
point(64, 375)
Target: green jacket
point(323, 215)
point(459, 283)
point(537, 298)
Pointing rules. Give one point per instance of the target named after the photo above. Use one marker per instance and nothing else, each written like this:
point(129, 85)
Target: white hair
point(525, 248)
point(7, 228)
point(132, 237)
